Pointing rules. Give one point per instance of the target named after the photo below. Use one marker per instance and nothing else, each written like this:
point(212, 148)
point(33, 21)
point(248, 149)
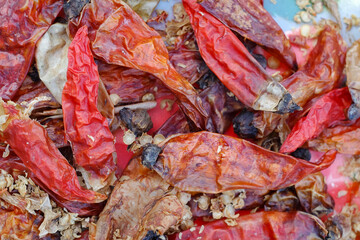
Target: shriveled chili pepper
point(343, 137)
point(228, 58)
point(30, 142)
point(353, 78)
point(261, 225)
point(22, 24)
point(212, 163)
point(328, 110)
point(250, 19)
point(86, 129)
point(119, 36)
point(321, 73)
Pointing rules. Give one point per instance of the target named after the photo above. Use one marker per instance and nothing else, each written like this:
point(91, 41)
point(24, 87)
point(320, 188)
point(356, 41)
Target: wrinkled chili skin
point(119, 36)
point(228, 59)
point(313, 195)
point(22, 24)
point(343, 137)
point(212, 163)
point(323, 70)
point(86, 129)
point(250, 19)
point(329, 109)
point(261, 225)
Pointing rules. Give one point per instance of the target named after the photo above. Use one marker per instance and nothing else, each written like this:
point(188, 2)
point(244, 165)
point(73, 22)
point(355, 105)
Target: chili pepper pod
point(22, 24)
point(322, 72)
point(30, 142)
point(250, 19)
point(119, 36)
point(328, 110)
point(212, 163)
point(86, 129)
point(228, 58)
point(261, 225)
point(353, 79)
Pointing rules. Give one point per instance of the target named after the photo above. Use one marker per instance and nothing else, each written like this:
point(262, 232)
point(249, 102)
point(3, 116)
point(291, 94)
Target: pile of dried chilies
point(118, 124)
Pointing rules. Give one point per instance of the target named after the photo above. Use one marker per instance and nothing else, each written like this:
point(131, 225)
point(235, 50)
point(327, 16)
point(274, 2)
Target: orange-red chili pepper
point(261, 225)
point(328, 110)
point(251, 20)
point(119, 36)
point(22, 23)
point(30, 142)
point(86, 129)
point(212, 163)
point(228, 58)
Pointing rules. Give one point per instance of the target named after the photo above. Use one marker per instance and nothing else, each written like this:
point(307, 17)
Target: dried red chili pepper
point(228, 58)
point(261, 225)
point(250, 19)
point(343, 137)
point(86, 129)
point(119, 36)
point(30, 142)
point(329, 109)
point(22, 24)
point(321, 73)
point(212, 163)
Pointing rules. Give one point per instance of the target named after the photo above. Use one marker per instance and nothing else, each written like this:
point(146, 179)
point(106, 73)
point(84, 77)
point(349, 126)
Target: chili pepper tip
point(150, 155)
point(287, 105)
point(353, 112)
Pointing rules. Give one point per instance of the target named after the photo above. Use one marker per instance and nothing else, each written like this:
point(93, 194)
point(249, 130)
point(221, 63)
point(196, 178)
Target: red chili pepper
point(251, 20)
point(228, 58)
point(261, 225)
point(119, 36)
point(86, 129)
point(30, 142)
point(328, 110)
point(212, 163)
point(22, 25)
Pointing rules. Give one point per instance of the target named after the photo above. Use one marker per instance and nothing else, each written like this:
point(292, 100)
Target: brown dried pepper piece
point(313, 195)
point(250, 19)
point(22, 24)
point(212, 163)
point(261, 225)
point(119, 36)
point(236, 68)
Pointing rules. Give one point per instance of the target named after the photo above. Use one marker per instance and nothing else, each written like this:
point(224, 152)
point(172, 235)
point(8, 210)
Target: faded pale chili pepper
point(325, 112)
point(212, 163)
point(343, 137)
point(86, 129)
point(30, 142)
point(119, 36)
point(261, 225)
point(321, 73)
point(22, 24)
point(228, 58)
point(250, 19)
point(353, 78)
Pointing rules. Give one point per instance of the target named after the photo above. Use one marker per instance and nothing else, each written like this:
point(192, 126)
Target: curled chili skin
point(119, 36)
point(22, 23)
point(31, 143)
point(212, 163)
point(261, 225)
point(231, 62)
point(86, 129)
point(328, 110)
point(253, 22)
